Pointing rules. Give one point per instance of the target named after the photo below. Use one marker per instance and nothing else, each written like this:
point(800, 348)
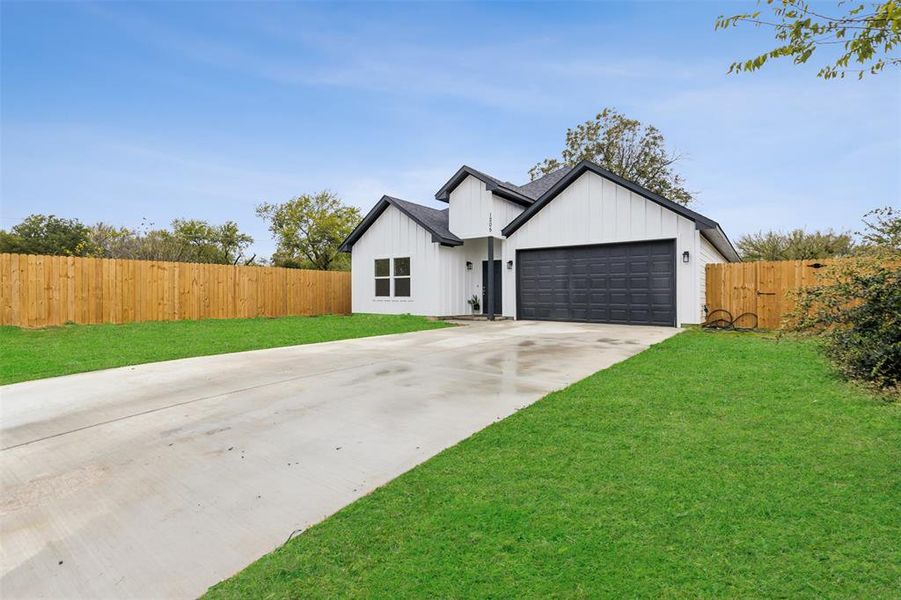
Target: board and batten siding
point(595, 210)
point(395, 235)
point(475, 212)
point(439, 282)
point(707, 255)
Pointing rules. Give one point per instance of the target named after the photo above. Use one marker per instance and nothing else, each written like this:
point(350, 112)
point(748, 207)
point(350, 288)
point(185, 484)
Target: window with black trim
point(382, 277)
point(402, 277)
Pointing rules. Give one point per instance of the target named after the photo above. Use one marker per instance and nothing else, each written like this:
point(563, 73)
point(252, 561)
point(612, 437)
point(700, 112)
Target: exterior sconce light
point(685, 256)
point(468, 265)
point(509, 264)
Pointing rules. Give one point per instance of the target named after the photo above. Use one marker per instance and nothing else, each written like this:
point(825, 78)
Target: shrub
point(857, 312)
point(856, 306)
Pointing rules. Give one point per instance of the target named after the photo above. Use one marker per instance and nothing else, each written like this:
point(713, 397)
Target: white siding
point(594, 210)
point(440, 283)
point(706, 254)
point(476, 251)
point(395, 235)
point(475, 212)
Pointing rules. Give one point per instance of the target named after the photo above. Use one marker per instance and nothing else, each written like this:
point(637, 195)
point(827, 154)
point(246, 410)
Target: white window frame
point(377, 277)
point(408, 277)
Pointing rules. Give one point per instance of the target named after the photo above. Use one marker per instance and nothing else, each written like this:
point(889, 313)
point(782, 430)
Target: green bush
point(856, 307)
point(857, 311)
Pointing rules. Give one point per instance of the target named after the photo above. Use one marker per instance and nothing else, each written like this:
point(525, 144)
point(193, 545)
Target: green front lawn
point(711, 465)
point(35, 353)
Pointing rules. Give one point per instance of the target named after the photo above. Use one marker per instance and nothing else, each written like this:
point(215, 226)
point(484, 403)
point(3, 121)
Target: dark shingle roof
point(534, 196)
point(524, 195)
point(534, 189)
point(504, 189)
point(717, 238)
point(433, 219)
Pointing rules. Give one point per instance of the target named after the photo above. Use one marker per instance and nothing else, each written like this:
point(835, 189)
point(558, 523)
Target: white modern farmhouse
point(579, 244)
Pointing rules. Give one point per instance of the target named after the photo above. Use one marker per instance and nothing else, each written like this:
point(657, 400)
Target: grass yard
point(35, 353)
point(713, 464)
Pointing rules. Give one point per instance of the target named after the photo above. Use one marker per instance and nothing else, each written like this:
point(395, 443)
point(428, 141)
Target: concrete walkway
point(160, 480)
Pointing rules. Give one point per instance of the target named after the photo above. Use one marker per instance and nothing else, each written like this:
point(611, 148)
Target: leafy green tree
point(882, 231)
point(190, 240)
point(47, 234)
point(865, 34)
point(232, 243)
point(109, 241)
point(309, 229)
point(224, 244)
point(795, 245)
point(625, 147)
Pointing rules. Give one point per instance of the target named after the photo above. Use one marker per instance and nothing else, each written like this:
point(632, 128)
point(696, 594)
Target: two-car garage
point(630, 283)
point(580, 244)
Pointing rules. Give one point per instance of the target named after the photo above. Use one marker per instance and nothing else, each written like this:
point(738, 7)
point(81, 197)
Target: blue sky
point(119, 112)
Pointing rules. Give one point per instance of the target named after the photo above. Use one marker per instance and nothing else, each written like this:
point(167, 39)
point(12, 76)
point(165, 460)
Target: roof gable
point(701, 222)
point(586, 166)
point(534, 196)
point(432, 220)
point(504, 189)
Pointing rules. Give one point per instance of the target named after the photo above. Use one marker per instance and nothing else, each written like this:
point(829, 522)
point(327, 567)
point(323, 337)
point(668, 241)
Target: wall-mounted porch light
point(468, 265)
point(509, 264)
point(685, 256)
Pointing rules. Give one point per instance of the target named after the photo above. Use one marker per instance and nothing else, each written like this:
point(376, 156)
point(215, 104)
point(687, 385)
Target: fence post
point(37, 291)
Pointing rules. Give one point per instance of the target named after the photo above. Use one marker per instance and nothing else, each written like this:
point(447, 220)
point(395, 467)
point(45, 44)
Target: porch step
point(476, 318)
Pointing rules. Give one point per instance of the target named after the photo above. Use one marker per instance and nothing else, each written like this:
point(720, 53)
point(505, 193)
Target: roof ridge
point(433, 220)
point(536, 188)
point(548, 174)
point(504, 189)
point(414, 203)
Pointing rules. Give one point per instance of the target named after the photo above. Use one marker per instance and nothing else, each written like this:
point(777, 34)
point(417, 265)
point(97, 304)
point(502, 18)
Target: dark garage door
point(633, 283)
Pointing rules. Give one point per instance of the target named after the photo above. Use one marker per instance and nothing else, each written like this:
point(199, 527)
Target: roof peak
point(433, 220)
point(504, 189)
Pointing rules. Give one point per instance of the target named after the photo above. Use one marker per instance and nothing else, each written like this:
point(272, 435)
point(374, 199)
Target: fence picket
point(761, 287)
point(38, 291)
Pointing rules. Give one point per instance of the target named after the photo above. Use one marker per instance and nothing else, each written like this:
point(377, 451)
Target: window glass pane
point(402, 267)
point(382, 287)
point(382, 267)
point(402, 286)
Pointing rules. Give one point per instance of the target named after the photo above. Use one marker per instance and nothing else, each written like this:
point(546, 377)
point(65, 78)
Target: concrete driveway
point(160, 480)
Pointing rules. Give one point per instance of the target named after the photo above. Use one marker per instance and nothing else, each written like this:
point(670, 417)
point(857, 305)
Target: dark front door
point(498, 298)
point(631, 283)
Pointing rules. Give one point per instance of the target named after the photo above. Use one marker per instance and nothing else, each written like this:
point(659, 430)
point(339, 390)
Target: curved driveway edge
point(162, 479)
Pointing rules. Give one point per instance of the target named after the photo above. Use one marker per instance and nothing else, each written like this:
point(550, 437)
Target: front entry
point(498, 297)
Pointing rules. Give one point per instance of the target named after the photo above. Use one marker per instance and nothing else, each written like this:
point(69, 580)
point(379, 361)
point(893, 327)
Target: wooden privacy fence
point(760, 287)
point(37, 291)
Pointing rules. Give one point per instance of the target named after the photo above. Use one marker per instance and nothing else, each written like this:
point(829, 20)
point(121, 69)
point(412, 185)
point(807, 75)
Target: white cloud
point(771, 149)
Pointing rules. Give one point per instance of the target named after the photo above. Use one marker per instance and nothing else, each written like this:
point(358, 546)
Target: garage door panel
point(661, 300)
point(618, 315)
point(639, 264)
point(637, 281)
point(660, 283)
point(631, 283)
point(639, 316)
point(642, 298)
